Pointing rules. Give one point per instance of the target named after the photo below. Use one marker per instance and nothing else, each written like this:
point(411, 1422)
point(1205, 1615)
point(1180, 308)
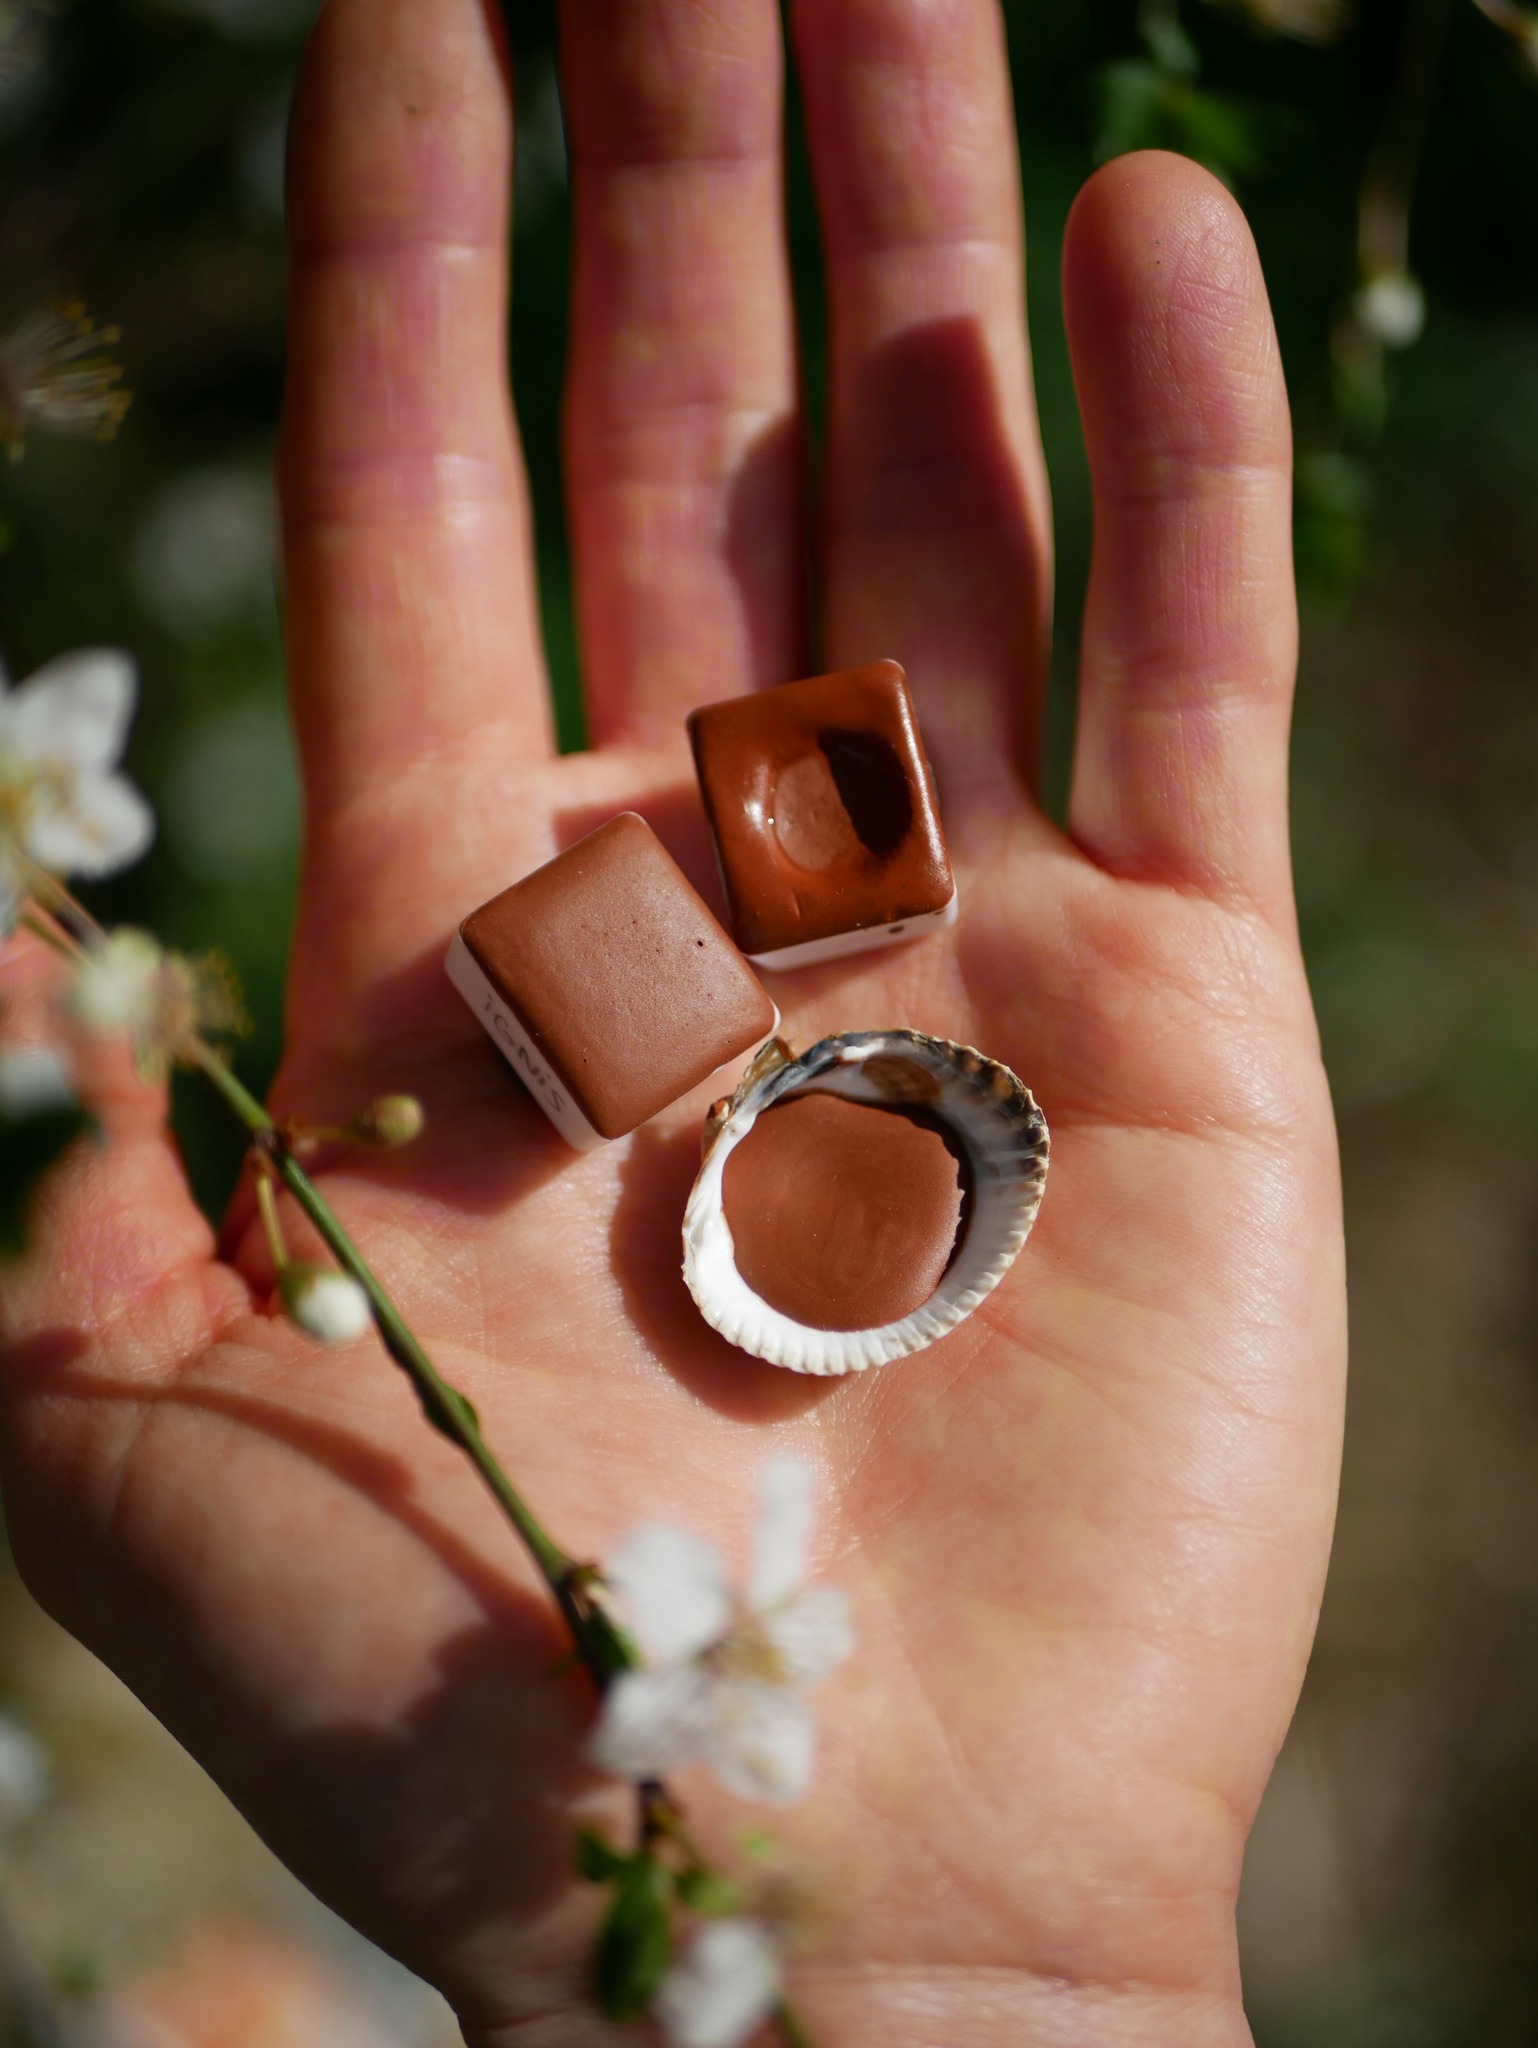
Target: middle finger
point(683, 457)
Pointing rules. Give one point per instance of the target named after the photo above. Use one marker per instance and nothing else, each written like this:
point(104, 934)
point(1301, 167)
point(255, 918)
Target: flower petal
point(118, 985)
point(33, 1080)
point(784, 1530)
point(762, 1741)
point(724, 1984)
point(812, 1635)
point(675, 1589)
point(653, 1721)
point(102, 825)
point(77, 708)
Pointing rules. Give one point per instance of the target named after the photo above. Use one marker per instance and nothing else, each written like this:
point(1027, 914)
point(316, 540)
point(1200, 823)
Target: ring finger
point(936, 503)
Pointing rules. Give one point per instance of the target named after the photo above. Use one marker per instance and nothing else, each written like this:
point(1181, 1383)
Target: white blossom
point(726, 1677)
point(726, 1982)
point(327, 1305)
point(23, 1773)
point(1392, 307)
point(117, 987)
point(62, 802)
point(162, 1002)
point(33, 1080)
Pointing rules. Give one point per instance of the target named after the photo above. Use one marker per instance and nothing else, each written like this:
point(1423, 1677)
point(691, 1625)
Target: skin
point(1085, 1535)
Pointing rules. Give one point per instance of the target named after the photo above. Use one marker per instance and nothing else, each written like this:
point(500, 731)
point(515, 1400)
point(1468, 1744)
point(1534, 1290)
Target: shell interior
point(995, 1120)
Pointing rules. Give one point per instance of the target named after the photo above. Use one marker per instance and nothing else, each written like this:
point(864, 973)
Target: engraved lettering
point(533, 1072)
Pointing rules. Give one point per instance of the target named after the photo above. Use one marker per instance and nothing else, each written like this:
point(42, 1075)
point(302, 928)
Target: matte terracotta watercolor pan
point(606, 983)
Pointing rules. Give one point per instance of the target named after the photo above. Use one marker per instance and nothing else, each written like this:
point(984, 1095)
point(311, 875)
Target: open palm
point(1084, 1535)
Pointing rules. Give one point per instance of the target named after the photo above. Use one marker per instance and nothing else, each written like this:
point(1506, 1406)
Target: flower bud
point(391, 1120)
point(326, 1304)
point(121, 985)
point(163, 1002)
point(1392, 307)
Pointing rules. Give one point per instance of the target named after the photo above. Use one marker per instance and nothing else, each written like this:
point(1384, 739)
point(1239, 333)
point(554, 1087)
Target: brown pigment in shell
point(844, 1215)
point(822, 808)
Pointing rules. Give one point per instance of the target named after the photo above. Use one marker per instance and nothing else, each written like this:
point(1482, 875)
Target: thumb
point(116, 1289)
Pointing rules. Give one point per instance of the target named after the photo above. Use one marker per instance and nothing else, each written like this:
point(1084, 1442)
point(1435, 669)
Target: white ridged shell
point(990, 1111)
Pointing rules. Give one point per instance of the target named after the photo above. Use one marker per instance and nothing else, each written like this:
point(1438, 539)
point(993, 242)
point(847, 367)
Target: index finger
point(409, 592)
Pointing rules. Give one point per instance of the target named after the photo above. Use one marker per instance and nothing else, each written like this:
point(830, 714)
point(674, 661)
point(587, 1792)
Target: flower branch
point(598, 1641)
point(742, 1674)
point(707, 1675)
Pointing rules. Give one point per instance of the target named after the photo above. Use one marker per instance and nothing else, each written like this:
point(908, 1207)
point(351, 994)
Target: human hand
point(1085, 1535)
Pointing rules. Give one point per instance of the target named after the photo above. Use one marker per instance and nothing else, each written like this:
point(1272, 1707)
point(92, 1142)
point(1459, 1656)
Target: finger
point(683, 460)
point(1190, 630)
point(409, 593)
point(117, 1257)
point(936, 502)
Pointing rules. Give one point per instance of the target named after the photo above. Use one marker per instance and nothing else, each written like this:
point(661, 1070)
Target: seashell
point(989, 1119)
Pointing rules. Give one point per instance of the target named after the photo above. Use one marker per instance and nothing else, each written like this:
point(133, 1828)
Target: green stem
point(600, 1644)
point(64, 946)
point(792, 2026)
point(267, 1203)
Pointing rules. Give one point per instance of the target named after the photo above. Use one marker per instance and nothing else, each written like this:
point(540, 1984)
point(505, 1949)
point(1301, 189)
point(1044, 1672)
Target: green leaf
point(1359, 386)
point(757, 1844)
point(77, 1972)
point(1327, 481)
point(1132, 96)
point(1171, 47)
point(597, 1860)
point(1219, 133)
point(636, 1942)
point(29, 1146)
point(614, 1645)
point(704, 1891)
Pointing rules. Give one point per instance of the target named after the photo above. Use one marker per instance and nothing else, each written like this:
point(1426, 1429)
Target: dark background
point(1392, 1891)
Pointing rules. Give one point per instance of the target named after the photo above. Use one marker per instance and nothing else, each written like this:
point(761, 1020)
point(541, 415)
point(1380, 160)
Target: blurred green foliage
point(141, 169)
point(31, 1139)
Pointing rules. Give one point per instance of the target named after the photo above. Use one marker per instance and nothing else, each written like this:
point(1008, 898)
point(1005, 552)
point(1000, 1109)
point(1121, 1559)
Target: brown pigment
point(821, 807)
point(626, 983)
point(844, 1215)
